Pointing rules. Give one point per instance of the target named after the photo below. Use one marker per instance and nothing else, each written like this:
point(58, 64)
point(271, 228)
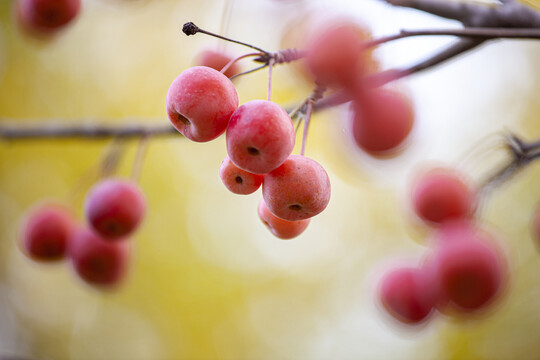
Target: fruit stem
point(233, 61)
point(190, 28)
point(270, 64)
point(138, 160)
point(249, 71)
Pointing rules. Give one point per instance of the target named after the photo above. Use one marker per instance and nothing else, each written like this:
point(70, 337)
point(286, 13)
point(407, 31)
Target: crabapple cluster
point(202, 103)
point(466, 269)
point(45, 17)
point(99, 249)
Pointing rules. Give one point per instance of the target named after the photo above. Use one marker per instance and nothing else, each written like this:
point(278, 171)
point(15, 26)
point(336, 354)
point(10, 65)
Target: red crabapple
point(46, 16)
point(218, 60)
point(282, 229)
point(335, 55)
point(46, 231)
point(96, 260)
point(237, 180)
point(115, 207)
point(382, 120)
point(260, 136)
point(297, 190)
point(200, 102)
point(470, 270)
point(442, 194)
point(408, 294)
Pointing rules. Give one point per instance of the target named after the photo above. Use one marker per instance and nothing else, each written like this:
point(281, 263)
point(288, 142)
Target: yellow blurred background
point(207, 280)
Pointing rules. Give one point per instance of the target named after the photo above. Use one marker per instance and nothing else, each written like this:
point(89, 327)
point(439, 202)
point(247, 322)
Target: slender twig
point(270, 64)
point(89, 132)
point(481, 33)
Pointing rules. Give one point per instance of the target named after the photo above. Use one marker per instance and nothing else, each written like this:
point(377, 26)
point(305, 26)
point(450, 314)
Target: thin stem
point(138, 160)
point(249, 71)
point(270, 64)
point(306, 125)
point(230, 63)
point(190, 28)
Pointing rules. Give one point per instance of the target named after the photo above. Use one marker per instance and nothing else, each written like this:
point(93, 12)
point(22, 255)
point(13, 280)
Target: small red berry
point(442, 194)
point(470, 270)
point(408, 294)
point(46, 231)
point(46, 16)
point(200, 102)
point(282, 229)
point(96, 260)
point(260, 136)
point(382, 120)
point(237, 180)
point(115, 207)
point(297, 190)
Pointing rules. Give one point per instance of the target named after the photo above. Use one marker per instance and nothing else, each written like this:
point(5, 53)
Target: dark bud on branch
point(190, 28)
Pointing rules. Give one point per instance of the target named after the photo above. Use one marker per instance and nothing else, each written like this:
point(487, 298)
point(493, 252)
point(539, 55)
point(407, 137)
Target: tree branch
point(90, 132)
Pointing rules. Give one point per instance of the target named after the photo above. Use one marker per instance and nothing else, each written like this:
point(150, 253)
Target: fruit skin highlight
point(43, 17)
point(297, 190)
point(280, 228)
point(115, 207)
point(260, 136)
point(200, 102)
point(46, 231)
point(96, 260)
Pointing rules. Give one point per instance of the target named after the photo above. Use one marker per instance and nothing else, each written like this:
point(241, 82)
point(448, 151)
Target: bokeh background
point(207, 280)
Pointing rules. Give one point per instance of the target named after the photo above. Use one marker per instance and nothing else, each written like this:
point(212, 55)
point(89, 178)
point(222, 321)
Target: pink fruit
point(442, 194)
point(46, 231)
point(46, 16)
point(200, 102)
point(408, 294)
point(335, 55)
point(97, 261)
point(260, 136)
point(297, 190)
point(470, 270)
point(382, 120)
point(218, 60)
point(282, 229)
point(237, 180)
point(114, 208)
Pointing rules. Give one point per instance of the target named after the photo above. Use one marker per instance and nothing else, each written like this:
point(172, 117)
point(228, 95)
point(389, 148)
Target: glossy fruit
point(96, 260)
point(200, 102)
point(260, 136)
point(115, 207)
point(335, 55)
point(282, 229)
point(471, 271)
point(46, 231)
point(408, 294)
point(46, 16)
point(297, 190)
point(442, 194)
point(382, 120)
point(218, 60)
point(237, 180)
